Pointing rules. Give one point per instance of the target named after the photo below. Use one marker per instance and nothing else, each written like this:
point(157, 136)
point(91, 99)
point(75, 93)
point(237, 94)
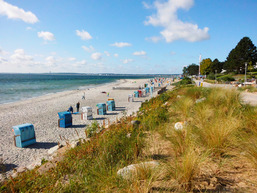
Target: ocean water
point(16, 87)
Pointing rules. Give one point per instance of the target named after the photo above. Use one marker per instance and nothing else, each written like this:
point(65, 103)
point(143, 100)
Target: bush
point(225, 78)
point(184, 81)
point(211, 76)
point(93, 129)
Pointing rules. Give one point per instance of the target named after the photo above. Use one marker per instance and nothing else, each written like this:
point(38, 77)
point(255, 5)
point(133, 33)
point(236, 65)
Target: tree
point(216, 65)
point(245, 51)
point(205, 66)
point(192, 69)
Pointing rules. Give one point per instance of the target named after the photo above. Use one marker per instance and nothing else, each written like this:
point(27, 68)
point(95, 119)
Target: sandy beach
point(42, 113)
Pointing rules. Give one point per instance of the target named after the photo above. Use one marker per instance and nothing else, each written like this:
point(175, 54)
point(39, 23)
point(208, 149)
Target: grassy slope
point(216, 149)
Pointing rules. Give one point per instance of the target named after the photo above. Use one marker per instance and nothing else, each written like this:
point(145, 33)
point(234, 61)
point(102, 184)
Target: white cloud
point(107, 53)
point(20, 57)
point(97, 65)
point(96, 56)
point(2, 60)
point(88, 49)
point(46, 35)
point(121, 44)
point(14, 12)
point(71, 59)
point(84, 35)
point(29, 28)
point(50, 61)
point(2, 52)
point(126, 61)
point(154, 39)
point(82, 62)
point(79, 63)
point(139, 53)
point(175, 29)
point(116, 55)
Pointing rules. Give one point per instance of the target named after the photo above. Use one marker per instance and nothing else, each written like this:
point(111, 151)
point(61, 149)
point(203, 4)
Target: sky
point(120, 36)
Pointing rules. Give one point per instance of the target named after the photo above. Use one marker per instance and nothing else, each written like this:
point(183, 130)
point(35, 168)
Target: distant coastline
point(21, 86)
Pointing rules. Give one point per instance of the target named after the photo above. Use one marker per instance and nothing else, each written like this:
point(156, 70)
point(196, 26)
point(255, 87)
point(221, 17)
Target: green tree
point(216, 65)
point(185, 72)
point(245, 51)
point(192, 69)
point(205, 66)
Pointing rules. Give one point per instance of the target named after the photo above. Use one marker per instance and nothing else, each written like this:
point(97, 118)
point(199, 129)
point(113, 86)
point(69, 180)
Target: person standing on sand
point(77, 106)
point(70, 109)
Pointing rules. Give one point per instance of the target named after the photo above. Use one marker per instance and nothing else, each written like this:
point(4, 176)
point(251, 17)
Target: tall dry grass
point(250, 149)
point(218, 134)
point(144, 179)
point(228, 99)
point(217, 121)
point(212, 129)
point(184, 170)
point(183, 107)
point(248, 134)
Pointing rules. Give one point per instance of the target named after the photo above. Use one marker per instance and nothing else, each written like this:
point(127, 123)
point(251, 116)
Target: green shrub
point(211, 76)
point(184, 81)
point(92, 129)
point(226, 78)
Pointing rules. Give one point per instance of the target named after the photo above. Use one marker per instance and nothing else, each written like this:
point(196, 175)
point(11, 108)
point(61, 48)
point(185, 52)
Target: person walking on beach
point(77, 106)
point(84, 96)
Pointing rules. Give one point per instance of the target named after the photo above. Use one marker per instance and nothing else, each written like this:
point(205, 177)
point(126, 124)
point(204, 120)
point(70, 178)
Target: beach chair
point(110, 105)
point(24, 135)
point(65, 119)
point(87, 113)
point(101, 110)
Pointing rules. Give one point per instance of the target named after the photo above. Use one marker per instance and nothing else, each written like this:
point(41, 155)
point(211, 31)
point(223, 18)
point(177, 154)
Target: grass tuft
point(185, 169)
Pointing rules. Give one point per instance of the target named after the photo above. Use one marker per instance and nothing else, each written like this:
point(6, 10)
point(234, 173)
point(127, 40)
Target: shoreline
point(82, 87)
point(42, 113)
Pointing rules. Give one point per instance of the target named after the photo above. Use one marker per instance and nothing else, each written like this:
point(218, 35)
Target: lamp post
point(245, 70)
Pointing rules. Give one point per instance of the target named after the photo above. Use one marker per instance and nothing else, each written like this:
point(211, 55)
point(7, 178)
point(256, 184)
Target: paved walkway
point(247, 97)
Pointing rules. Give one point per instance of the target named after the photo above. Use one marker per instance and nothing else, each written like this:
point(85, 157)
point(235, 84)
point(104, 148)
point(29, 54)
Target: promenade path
point(247, 97)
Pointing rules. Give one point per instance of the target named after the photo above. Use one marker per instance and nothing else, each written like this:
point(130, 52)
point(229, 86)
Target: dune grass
point(216, 127)
point(248, 88)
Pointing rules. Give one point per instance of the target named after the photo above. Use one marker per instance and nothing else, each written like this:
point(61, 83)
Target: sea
point(16, 87)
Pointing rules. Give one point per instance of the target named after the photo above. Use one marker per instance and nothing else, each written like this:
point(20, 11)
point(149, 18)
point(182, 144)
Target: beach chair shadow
point(42, 145)
point(7, 167)
point(77, 126)
point(112, 113)
point(99, 119)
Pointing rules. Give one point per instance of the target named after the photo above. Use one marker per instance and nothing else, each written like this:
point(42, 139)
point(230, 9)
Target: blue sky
point(120, 36)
